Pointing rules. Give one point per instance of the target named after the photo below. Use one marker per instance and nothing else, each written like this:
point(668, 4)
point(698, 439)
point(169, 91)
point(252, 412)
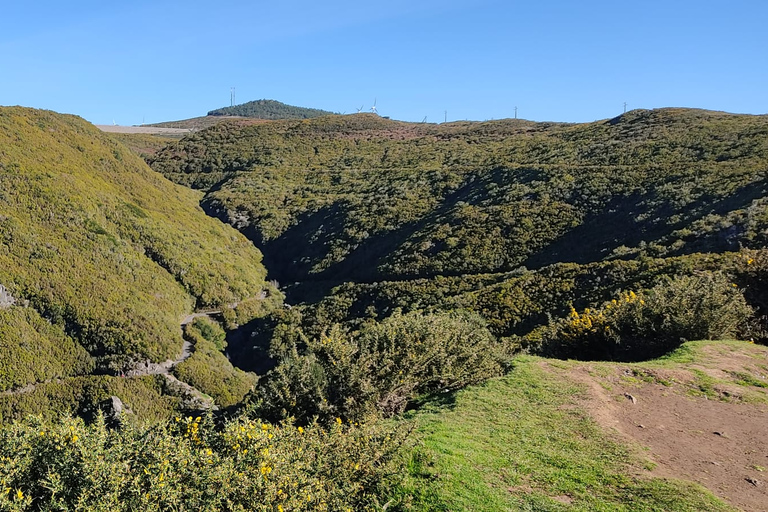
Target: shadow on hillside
point(617, 225)
point(291, 257)
point(248, 347)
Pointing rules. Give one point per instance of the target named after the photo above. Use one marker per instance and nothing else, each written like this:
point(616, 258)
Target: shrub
point(188, 464)
point(648, 324)
point(382, 367)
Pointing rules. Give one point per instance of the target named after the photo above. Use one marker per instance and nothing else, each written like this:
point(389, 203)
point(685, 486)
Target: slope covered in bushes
point(363, 198)
point(103, 256)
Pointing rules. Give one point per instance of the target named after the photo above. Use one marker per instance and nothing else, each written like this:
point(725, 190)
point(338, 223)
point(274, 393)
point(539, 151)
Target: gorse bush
point(188, 464)
point(380, 368)
point(648, 324)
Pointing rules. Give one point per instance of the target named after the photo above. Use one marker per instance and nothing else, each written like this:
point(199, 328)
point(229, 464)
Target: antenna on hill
point(373, 108)
point(515, 112)
point(232, 97)
point(625, 107)
point(360, 109)
point(424, 120)
point(446, 117)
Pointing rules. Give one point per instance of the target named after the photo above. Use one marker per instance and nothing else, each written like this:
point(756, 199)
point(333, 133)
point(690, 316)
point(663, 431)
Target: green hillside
point(363, 198)
point(269, 109)
point(418, 260)
point(103, 256)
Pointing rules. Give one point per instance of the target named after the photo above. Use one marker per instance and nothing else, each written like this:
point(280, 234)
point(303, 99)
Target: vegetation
point(149, 399)
point(104, 258)
point(377, 370)
point(343, 198)
point(208, 369)
point(190, 464)
point(269, 109)
point(523, 442)
point(639, 325)
point(419, 259)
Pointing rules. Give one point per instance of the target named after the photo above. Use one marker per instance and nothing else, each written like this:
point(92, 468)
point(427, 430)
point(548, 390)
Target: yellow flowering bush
point(194, 464)
point(650, 323)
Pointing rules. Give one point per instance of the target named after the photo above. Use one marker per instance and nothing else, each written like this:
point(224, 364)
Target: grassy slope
point(524, 442)
point(109, 252)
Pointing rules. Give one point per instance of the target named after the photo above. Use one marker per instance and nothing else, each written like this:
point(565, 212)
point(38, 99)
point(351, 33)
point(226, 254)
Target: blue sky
point(556, 60)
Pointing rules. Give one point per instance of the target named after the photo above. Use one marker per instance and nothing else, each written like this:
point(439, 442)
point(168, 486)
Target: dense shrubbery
point(648, 324)
point(269, 109)
point(208, 369)
point(191, 465)
point(362, 198)
point(105, 248)
point(34, 350)
point(378, 369)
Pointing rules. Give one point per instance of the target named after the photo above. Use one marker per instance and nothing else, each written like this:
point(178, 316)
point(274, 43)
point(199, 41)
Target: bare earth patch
point(714, 432)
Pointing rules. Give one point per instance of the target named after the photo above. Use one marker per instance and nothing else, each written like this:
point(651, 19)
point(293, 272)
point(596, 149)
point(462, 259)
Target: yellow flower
point(338, 420)
point(301, 430)
point(19, 495)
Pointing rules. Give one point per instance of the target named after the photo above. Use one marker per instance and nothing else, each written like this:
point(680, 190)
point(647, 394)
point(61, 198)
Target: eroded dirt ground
point(704, 421)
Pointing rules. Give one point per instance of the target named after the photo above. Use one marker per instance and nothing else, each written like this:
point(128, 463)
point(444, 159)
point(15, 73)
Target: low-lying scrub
point(189, 464)
point(648, 324)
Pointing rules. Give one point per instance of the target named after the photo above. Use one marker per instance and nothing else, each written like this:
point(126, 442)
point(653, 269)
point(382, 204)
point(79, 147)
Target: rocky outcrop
point(6, 299)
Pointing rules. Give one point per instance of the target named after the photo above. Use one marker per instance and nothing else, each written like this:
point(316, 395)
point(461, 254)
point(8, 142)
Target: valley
point(537, 316)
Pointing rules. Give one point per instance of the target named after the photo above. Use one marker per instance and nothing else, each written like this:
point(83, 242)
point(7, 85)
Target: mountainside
point(363, 198)
point(102, 256)
point(419, 260)
point(269, 109)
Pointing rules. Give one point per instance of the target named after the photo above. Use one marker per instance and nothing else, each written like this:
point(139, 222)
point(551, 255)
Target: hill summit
point(269, 109)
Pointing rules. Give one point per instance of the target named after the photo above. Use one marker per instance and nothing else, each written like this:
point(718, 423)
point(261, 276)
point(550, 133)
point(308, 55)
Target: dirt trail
point(143, 368)
point(713, 431)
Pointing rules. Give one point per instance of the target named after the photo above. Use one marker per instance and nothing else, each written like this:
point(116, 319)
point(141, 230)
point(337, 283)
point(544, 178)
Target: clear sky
point(556, 60)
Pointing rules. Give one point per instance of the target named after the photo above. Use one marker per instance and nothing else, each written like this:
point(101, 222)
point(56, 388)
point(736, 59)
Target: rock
point(114, 410)
point(6, 299)
point(631, 398)
point(753, 481)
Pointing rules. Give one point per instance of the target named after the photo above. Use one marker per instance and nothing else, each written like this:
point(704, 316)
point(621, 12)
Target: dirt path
point(149, 130)
point(711, 430)
point(143, 368)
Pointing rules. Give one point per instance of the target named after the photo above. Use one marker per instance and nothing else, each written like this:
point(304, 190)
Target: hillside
point(103, 257)
point(362, 198)
point(269, 109)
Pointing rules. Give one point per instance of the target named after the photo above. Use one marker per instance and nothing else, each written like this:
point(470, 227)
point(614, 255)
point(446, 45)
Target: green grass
point(522, 443)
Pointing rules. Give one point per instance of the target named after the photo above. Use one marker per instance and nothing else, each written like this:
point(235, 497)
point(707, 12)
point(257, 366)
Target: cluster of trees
point(269, 109)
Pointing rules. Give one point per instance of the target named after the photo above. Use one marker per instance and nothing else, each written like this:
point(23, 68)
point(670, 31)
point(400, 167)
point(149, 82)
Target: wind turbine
point(373, 108)
point(360, 109)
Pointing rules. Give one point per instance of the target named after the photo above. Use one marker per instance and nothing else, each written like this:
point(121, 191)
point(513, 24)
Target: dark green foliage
point(361, 198)
point(380, 368)
point(651, 323)
point(269, 109)
point(208, 369)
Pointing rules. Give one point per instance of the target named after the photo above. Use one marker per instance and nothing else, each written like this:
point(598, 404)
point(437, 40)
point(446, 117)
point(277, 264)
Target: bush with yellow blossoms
point(642, 325)
point(192, 464)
